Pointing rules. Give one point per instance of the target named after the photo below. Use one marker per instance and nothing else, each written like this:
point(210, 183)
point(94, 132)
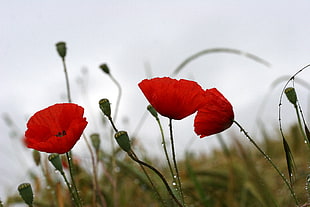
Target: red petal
point(215, 116)
point(45, 125)
point(175, 99)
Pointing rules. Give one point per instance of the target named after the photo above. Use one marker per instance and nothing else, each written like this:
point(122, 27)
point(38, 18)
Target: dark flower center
point(61, 134)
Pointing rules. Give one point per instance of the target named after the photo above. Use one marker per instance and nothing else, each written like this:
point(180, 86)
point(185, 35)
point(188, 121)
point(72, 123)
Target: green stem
point(163, 142)
point(75, 199)
point(131, 155)
point(300, 126)
point(67, 80)
point(76, 193)
point(96, 187)
point(175, 163)
point(270, 161)
point(150, 180)
point(118, 96)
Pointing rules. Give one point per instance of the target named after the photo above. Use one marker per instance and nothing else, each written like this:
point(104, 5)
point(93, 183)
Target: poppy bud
point(123, 140)
point(36, 157)
point(26, 193)
point(104, 67)
point(56, 162)
point(104, 105)
point(291, 95)
point(95, 140)
point(153, 111)
point(61, 49)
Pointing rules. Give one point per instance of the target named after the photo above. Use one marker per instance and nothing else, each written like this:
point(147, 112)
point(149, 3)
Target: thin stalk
point(300, 125)
point(150, 180)
point(73, 195)
point(131, 155)
point(95, 177)
point(67, 80)
point(118, 96)
point(163, 142)
point(175, 163)
point(134, 155)
point(270, 161)
point(69, 154)
point(76, 192)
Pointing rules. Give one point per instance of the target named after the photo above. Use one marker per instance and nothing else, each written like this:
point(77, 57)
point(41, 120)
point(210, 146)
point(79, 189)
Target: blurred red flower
point(55, 129)
point(175, 99)
point(215, 116)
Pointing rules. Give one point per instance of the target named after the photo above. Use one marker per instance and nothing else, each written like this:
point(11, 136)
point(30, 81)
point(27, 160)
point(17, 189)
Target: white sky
point(128, 35)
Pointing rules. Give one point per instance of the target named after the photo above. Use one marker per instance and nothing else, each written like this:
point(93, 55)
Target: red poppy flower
point(175, 99)
point(55, 129)
point(215, 116)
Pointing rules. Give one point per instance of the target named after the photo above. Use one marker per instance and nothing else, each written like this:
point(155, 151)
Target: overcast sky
point(138, 39)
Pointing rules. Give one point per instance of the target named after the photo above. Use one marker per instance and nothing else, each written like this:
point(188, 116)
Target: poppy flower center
point(61, 134)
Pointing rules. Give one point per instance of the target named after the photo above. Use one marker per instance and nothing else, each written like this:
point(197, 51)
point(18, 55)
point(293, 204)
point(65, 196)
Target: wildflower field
point(270, 172)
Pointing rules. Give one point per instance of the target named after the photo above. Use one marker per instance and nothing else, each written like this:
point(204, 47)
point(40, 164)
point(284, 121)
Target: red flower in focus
point(215, 116)
point(175, 99)
point(55, 129)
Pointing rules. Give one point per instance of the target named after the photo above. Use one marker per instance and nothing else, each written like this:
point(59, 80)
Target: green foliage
point(233, 176)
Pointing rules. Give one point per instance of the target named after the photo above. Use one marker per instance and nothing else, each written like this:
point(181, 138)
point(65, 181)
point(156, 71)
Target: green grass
point(234, 176)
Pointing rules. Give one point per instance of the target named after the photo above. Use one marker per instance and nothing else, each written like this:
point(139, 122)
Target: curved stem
point(150, 180)
point(218, 50)
point(270, 161)
point(175, 163)
point(131, 155)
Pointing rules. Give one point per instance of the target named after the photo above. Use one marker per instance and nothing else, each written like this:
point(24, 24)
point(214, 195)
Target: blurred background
point(140, 39)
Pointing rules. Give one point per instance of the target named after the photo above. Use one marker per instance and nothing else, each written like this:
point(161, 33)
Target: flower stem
point(270, 161)
point(133, 157)
point(67, 80)
point(163, 142)
point(75, 191)
point(175, 163)
point(150, 180)
point(95, 178)
point(75, 199)
point(300, 125)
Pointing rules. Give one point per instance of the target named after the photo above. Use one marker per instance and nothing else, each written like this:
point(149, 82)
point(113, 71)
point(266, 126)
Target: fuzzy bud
point(95, 140)
point(104, 67)
point(61, 49)
point(123, 141)
point(105, 107)
point(56, 162)
point(153, 111)
point(36, 157)
point(26, 193)
point(291, 95)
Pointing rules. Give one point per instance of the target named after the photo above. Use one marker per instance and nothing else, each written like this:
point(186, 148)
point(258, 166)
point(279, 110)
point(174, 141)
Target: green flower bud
point(36, 157)
point(123, 140)
point(61, 49)
point(153, 111)
point(26, 193)
point(291, 95)
point(104, 105)
point(95, 140)
point(56, 162)
point(104, 67)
